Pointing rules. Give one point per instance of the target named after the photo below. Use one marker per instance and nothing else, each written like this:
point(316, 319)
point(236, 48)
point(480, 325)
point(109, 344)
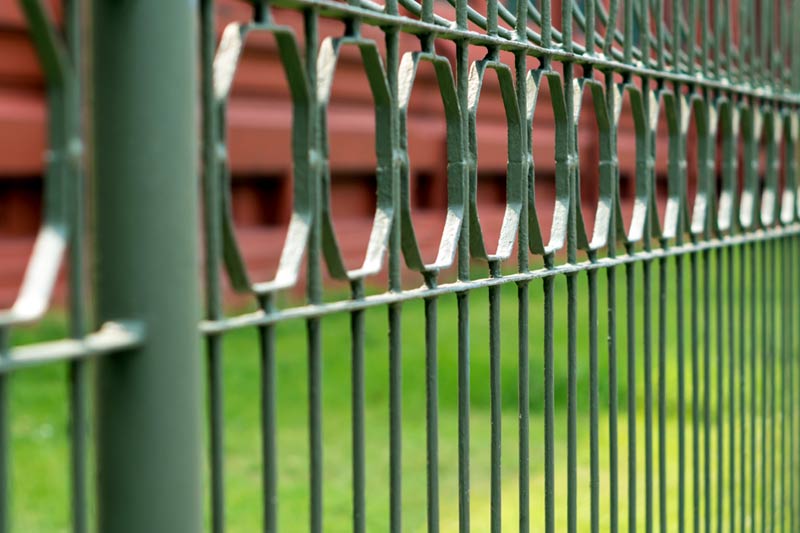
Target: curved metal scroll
point(558, 230)
point(384, 212)
point(706, 122)
point(729, 132)
point(641, 203)
point(675, 217)
point(515, 176)
point(456, 163)
point(607, 167)
point(225, 63)
point(61, 172)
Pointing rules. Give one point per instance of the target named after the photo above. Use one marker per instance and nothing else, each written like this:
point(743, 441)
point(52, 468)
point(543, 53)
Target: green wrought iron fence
point(732, 69)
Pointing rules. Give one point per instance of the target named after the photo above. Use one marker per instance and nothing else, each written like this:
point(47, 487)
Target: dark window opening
point(353, 195)
point(20, 206)
point(260, 200)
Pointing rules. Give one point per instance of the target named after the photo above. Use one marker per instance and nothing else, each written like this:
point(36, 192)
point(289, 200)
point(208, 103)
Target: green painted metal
point(146, 207)
point(718, 91)
point(687, 78)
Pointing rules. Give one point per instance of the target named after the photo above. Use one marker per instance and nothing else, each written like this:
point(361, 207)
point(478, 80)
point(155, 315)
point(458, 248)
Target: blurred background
point(259, 122)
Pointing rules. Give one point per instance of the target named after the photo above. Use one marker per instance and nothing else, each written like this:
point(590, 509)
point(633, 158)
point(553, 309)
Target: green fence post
point(145, 102)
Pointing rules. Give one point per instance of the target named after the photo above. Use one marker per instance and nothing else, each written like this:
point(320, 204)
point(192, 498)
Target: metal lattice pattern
point(736, 88)
point(60, 243)
point(731, 67)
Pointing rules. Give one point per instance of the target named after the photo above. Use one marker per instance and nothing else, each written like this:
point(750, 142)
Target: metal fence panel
point(724, 75)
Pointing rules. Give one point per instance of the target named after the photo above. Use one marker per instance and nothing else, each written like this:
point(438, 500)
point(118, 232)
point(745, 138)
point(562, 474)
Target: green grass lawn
point(39, 420)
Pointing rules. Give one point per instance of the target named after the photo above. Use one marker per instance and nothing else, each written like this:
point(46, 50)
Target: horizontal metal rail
point(338, 10)
point(112, 337)
point(263, 318)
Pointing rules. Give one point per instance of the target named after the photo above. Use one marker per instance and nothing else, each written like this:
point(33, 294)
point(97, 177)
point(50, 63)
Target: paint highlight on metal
point(715, 87)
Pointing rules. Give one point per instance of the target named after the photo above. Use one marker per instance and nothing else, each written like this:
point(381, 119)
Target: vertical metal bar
point(706, 257)
point(783, 65)
point(763, 384)
point(720, 33)
point(745, 21)
point(5, 442)
point(789, 371)
point(794, 283)
point(524, 408)
point(523, 291)
point(776, 352)
point(729, 166)
point(357, 402)
point(395, 417)
point(660, 37)
point(787, 385)
point(748, 59)
point(496, 407)
point(681, 395)
point(729, 50)
point(647, 282)
point(631, 353)
point(767, 33)
point(627, 46)
point(611, 274)
point(213, 252)
point(735, 50)
point(645, 35)
point(463, 411)
point(462, 89)
point(753, 393)
point(676, 34)
point(794, 508)
point(794, 406)
point(314, 336)
point(784, 356)
point(547, 26)
point(594, 400)
point(314, 295)
point(794, 66)
point(79, 448)
point(733, 419)
point(771, 360)
point(648, 392)
point(696, 497)
point(395, 311)
point(753, 17)
point(549, 409)
point(706, 34)
point(790, 362)
point(572, 280)
point(742, 301)
point(611, 27)
point(491, 17)
point(613, 402)
point(77, 369)
point(572, 399)
point(269, 460)
point(216, 426)
point(691, 41)
point(589, 27)
point(662, 394)
point(147, 264)
point(720, 391)
point(432, 410)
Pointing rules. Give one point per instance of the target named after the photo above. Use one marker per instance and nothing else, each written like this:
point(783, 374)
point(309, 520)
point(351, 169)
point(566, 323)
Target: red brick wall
point(258, 131)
